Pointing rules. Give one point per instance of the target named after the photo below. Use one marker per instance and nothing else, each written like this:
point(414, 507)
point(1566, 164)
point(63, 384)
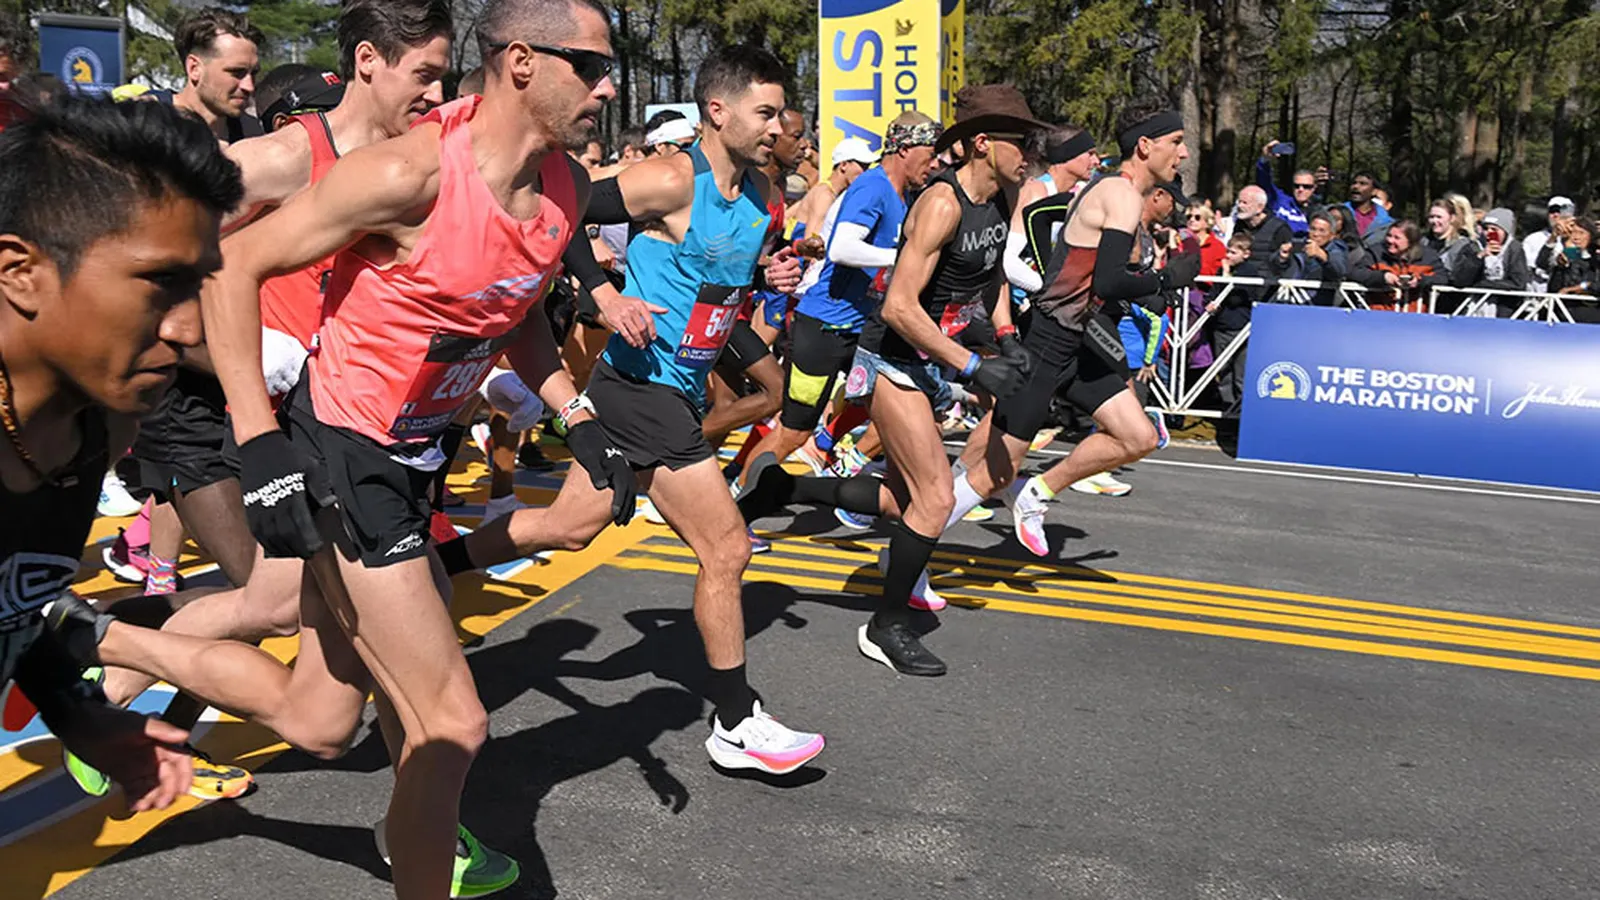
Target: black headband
point(1159, 125)
point(1071, 149)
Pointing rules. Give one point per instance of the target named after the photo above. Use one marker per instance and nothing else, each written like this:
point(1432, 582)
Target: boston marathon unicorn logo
point(1284, 381)
point(81, 66)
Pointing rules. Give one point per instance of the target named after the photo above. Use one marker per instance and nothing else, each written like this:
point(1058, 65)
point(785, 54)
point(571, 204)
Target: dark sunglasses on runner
point(591, 67)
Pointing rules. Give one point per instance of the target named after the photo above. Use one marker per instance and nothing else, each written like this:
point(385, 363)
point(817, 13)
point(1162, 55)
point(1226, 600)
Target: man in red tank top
point(410, 328)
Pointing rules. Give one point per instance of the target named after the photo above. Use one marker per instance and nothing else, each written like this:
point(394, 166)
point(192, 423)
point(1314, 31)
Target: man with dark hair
point(1371, 218)
point(391, 29)
point(219, 52)
point(1294, 207)
point(630, 146)
point(648, 397)
point(590, 153)
point(1093, 273)
point(108, 227)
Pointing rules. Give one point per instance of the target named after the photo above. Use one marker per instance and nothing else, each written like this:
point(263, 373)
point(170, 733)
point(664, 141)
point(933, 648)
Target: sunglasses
point(1196, 217)
point(590, 67)
point(1305, 187)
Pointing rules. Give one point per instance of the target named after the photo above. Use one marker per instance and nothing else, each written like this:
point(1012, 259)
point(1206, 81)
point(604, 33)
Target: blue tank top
point(702, 282)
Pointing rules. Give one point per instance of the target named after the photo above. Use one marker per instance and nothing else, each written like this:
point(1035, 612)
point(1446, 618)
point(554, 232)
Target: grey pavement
point(1058, 758)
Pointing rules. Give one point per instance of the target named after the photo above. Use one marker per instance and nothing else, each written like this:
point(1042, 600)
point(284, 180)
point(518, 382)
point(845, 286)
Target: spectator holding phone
point(1501, 264)
point(1557, 209)
point(1293, 208)
point(1325, 258)
point(1570, 258)
point(1408, 269)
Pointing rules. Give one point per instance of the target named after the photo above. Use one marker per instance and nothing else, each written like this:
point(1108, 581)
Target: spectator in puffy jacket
point(1574, 268)
point(1452, 236)
point(1344, 225)
point(1407, 270)
point(1501, 264)
point(1325, 258)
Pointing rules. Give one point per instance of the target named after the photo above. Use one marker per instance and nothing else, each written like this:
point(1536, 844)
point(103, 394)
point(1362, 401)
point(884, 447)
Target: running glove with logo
point(283, 489)
point(607, 467)
point(1012, 351)
point(999, 376)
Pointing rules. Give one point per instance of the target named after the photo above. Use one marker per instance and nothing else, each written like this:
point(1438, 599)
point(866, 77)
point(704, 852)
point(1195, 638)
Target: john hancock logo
point(1284, 381)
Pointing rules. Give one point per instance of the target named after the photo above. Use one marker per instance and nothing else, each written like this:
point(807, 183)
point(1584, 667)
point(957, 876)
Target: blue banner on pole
point(83, 51)
point(1487, 399)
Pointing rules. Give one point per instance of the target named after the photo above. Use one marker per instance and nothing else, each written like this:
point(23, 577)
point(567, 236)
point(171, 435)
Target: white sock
point(966, 500)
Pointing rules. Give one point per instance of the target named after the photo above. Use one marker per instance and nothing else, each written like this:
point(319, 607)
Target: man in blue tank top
point(707, 215)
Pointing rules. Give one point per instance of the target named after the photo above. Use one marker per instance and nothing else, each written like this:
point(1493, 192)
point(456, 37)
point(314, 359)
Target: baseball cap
point(314, 91)
point(853, 149)
point(1174, 189)
point(1563, 205)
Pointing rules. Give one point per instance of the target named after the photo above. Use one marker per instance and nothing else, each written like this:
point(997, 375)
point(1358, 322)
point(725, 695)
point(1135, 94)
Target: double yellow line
point(1174, 604)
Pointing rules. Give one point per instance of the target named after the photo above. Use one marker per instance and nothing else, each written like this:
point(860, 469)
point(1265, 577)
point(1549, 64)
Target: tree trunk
point(1513, 190)
point(1194, 124)
point(1486, 153)
point(1220, 84)
point(624, 64)
point(677, 68)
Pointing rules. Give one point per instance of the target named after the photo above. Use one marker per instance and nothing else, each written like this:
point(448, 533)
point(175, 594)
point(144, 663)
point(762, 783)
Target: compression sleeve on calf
point(580, 262)
point(1018, 272)
point(850, 247)
point(1112, 280)
point(606, 206)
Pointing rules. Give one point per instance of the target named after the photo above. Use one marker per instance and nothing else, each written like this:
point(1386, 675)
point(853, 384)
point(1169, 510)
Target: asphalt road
point(1097, 751)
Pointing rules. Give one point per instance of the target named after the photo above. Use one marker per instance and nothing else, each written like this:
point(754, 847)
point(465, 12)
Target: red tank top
point(292, 303)
point(402, 347)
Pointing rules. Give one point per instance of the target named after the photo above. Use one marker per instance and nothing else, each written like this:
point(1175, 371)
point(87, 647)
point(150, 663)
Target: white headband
point(671, 132)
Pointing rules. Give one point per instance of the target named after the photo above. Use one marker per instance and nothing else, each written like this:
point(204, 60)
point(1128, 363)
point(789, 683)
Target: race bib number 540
point(716, 309)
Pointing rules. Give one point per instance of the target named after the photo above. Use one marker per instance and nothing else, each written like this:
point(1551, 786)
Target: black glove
point(999, 376)
point(1012, 351)
point(283, 489)
point(1181, 271)
point(607, 467)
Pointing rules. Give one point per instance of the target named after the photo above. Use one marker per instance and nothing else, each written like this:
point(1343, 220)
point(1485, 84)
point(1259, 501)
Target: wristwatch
point(594, 231)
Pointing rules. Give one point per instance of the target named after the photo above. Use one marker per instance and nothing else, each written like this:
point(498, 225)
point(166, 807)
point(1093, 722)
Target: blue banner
point(82, 51)
point(1487, 399)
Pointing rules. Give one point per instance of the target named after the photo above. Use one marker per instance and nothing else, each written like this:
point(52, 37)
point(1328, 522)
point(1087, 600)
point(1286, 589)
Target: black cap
point(313, 91)
point(1174, 189)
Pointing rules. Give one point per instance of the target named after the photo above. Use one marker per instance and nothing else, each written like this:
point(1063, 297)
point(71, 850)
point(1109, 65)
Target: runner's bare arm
point(274, 167)
point(376, 190)
point(930, 225)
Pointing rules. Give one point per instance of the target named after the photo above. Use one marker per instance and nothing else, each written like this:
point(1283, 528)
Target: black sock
point(449, 443)
point(908, 556)
point(858, 494)
point(730, 693)
point(184, 711)
point(455, 557)
point(767, 490)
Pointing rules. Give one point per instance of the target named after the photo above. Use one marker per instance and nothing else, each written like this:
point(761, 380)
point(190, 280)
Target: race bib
point(716, 309)
point(454, 367)
point(958, 314)
point(879, 287)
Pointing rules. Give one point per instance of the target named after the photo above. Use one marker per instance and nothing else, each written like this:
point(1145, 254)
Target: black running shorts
point(745, 348)
point(183, 442)
point(652, 424)
point(1061, 363)
point(816, 357)
point(382, 500)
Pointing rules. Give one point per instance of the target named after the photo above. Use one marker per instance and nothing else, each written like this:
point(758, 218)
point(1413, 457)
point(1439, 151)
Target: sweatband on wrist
point(1004, 331)
point(973, 362)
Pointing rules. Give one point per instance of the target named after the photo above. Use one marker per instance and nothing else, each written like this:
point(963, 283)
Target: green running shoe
point(479, 870)
point(90, 780)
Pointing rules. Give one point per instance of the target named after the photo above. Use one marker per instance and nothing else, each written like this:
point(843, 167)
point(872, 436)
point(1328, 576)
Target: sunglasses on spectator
point(590, 67)
point(1302, 186)
point(1196, 217)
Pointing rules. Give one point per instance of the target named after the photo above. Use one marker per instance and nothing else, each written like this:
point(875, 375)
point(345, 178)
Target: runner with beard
point(1092, 275)
point(409, 329)
point(947, 266)
point(708, 214)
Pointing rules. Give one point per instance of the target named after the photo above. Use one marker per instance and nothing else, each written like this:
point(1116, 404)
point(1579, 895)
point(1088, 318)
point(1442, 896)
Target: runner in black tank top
point(949, 262)
point(1091, 265)
point(125, 287)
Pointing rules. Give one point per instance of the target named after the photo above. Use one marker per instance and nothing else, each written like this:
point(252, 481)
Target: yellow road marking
point(1371, 648)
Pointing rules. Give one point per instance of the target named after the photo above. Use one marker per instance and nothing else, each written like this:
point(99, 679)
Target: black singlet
point(968, 268)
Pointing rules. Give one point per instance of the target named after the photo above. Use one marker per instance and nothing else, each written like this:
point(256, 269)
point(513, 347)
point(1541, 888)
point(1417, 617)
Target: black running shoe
point(767, 489)
point(899, 648)
point(78, 627)
point(530, 457)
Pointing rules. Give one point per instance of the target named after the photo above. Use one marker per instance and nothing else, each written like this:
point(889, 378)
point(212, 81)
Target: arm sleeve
point(1112, 280)
point(606, 206)
point(850, 247)
point(1038, 222)
point(580, 262)
point(1018, 271)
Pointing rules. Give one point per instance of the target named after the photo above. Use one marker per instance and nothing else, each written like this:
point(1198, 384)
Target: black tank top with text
point(967, 271)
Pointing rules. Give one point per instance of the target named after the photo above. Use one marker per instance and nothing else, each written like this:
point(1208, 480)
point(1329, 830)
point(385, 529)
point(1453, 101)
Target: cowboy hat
point(988, 109)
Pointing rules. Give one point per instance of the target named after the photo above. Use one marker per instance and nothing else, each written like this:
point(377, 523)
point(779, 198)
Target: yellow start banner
point(880, 58)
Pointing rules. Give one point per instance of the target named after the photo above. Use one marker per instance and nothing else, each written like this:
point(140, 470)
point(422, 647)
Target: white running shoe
point(854, 521)
point(650, 513)
point(1027, 518)
point(818, 465)
point(1043, 439)
point(923, 596)
point(763, 743)
point(1103, 484)
point(499, 507)
point(115, 501)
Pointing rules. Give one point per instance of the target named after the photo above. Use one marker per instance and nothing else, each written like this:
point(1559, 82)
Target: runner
point(108, 227)
point(218, 50)
point(1075, 340)
point(861, 246)
point(409, 330)
point(713, 213)
point(948, 263)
